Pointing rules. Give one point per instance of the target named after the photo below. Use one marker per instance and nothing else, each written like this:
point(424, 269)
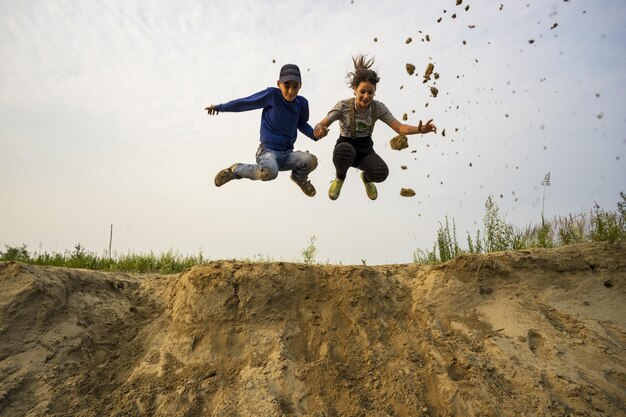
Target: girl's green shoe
point(335, 189)
point(370, 188)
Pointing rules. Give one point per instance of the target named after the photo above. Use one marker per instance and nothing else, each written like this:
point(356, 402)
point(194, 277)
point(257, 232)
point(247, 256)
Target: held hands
point(320, 131)
point(211, 109)
point(427, 128)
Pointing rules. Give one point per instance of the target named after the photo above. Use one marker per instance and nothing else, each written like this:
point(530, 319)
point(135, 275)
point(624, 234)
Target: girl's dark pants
point(359, 153)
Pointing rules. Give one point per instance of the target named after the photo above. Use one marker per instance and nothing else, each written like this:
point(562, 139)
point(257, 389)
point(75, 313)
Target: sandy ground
point(528, 333)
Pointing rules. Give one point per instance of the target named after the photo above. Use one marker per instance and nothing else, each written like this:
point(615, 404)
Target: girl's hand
point(320, 131)
point(428, 127)
point(211, 109)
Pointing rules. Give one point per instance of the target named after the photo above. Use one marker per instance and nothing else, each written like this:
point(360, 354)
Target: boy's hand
point(212, 109)
point(428, 127)
point(320, 131)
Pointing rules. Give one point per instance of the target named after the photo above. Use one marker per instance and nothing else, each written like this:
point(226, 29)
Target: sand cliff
point(527, 333)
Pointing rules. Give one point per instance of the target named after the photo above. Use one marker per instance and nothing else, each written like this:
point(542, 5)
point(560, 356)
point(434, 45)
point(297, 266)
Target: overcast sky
point(102, 121)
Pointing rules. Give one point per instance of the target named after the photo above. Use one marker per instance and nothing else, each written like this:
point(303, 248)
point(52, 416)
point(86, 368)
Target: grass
point(165, 263)
point(497, 235)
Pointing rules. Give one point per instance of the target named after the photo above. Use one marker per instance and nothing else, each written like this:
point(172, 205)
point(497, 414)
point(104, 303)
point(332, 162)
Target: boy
point(284, 113)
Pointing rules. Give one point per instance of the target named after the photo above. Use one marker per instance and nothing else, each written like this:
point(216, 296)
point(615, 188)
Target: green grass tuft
point(165, 263)
point(498, 235)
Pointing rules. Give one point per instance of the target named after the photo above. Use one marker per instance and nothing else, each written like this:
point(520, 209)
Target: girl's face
point(364, 94)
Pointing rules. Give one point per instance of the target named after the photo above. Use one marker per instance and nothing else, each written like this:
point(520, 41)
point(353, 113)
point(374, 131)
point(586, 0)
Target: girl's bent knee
point(344, 151)
point(345, 148)
point(378, 175)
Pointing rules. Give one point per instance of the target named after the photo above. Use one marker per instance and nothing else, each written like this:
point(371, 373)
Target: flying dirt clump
point(407, 192)
point(434, 91)
point(410, 69)
point(399, 142)
point(429, 71)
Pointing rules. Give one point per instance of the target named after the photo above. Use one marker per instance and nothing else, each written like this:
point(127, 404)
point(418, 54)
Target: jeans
point(269, 162)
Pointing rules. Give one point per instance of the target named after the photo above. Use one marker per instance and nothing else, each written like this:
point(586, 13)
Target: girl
point(357, 116)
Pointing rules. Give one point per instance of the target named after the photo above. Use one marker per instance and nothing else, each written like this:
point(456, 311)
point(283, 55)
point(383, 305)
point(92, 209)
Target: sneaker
point(335, 189)
point(306, 186)
point(370, 188)
point(225, 175)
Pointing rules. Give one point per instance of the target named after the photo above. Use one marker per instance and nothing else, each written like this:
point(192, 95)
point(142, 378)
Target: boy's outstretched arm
point(212, 109)
point(402, 129)
point(253, 102)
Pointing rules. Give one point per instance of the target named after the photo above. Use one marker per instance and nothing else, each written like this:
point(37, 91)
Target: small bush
point(445, 248)
point(426, 257)
point(498, 234)
point(606, 226)
point(545, 236)
point(475, 246)
point(571, 229)
point(13, 253)
point(310, 252)
point(447, 242)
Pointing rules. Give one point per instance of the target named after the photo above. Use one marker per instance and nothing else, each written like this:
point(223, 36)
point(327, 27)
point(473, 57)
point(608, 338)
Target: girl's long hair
point(362, 72)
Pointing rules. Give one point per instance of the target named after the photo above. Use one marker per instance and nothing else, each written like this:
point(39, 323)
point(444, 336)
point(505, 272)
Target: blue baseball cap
point(289, 72)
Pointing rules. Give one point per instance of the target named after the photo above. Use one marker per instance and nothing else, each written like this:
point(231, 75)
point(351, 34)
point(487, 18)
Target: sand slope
point(529, 333)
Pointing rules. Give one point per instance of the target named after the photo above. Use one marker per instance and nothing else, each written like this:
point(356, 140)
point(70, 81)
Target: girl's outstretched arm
point(321, 129)
point(402, 129)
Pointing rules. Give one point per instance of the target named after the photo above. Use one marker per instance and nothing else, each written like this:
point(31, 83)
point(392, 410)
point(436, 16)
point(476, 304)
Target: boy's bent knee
point(306, 162)
point(267, 174)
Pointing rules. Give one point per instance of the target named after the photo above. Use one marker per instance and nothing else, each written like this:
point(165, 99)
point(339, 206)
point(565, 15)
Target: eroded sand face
point(529, 333)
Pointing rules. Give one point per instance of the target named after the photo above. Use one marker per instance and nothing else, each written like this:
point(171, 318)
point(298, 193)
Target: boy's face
point(289, 89)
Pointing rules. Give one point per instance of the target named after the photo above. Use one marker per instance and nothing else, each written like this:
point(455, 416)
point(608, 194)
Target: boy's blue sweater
point(280, 119)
